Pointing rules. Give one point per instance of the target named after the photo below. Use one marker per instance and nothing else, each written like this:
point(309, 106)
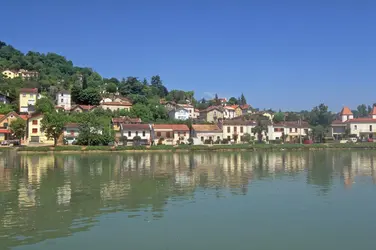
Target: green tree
point(260, 128)
point(53, 125)
point(233, 101)
point(84, 82)
point(18, 128)
point(362, 110)
point(246, 138)
point(90, 96)
point(278, 117)
point(44, 105)
point(243, 101)
point(6, 108)
point(111, 87)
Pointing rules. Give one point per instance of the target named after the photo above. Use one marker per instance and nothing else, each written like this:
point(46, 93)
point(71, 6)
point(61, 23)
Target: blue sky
point(288, 55)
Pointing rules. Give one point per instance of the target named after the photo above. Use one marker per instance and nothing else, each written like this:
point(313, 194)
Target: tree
point(136, 140)
point(246, 138)
point(84, 82)
point(156, 80)
point(75, 94)
point(18, 128)
point(233, 101)
point(362, 110)
point(260, 128)
point(44, 105)
point(111, 87)
point(216, 100)
point(6, 108)
point(243, 101)
point(90, 96)
point(278, 117)
point(53, 125)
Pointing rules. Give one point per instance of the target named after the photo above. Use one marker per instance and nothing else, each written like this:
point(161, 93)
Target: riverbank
point(187, 148)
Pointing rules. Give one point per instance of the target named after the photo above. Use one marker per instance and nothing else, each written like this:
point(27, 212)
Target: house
point(179, 114)
point(71, 132)
point(116, 106)
point(364, 127)
point(5, 121)
point(289, 131)
point(34, 131)
point(27, 100)
point(205, 132)
point(170, 134)
point(119, 120)
point(4, 99)
point(188, 107)
point(229, 112)
point(115, 98)
point(246, 109)
point(233, 130)
point(10, 74)
point(196, 114)
point(63, 99)
point(169, 105)
point(82, 108)
point(212, 114)
point(130, 131)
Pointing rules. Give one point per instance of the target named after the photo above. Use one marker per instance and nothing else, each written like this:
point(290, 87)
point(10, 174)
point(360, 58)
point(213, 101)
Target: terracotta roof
point(373, 112)
point(126, 119)
point(25, 117)
point(245, 106)
point(116, 104)
point(72, 125)
point(206, 128)
point(5, 131)
point(3, 117)
point(83, 107)
point(296, 124)
point(179, 127)
point(229, 107)
point(197, 110)
point(239, 122)
point(34, 90)
point(35, 115)
point(135, 126)
point(361, 120)
point(346, 111)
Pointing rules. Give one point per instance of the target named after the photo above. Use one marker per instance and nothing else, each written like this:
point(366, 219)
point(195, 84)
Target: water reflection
point(49, 196)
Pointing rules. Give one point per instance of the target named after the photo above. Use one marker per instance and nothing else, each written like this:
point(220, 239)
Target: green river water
point(211, 201)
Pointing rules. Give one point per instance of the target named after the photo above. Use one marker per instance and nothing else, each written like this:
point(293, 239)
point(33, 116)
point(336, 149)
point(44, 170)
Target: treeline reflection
point(49, 196)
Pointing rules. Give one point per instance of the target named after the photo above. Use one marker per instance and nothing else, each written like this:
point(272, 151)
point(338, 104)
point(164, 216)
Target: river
point(178, 201)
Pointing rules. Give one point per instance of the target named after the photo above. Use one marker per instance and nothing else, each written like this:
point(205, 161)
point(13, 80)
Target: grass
point(245, 147)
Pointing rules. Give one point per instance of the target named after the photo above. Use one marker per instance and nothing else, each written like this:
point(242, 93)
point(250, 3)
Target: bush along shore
point(235, 147)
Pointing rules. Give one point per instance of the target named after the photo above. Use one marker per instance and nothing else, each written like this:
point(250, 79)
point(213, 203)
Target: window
point(370, 127)
point(143, 133)
point(35, 130)
point(23, 95)
point(62, 100)
point(228, 129)
point(159, 134)
point(355, 127)
point(31, 95)
point(290, 130)
point(62, 94)
point(277, 138)
point(235, 129)
point(229, 138)
point(179, 133)
point(241, 129)
point(185, 133)
point(136, 133)
point(129, 134)
point(35, 122)
point(278, 129)
point(72, 132)
point(5, 125)
point(168, 135)
point(202, 138)
point(215, 113)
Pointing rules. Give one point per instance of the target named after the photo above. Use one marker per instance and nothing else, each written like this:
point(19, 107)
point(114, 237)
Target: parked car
point(370, 140)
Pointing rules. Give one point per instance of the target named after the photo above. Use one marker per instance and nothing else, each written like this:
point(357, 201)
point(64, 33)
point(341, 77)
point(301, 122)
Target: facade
point(293, 131)
point(116, 106)
point(63, 99)
point(5, 121)
point(10, 74)
point(27, 100)
point(132, 130)
point(196, 114)
point(179, 114)
point(189, 108)
point(170, 134)
point(71, 132)
point(364, 127)
point(115, 98)
point(34, 131)
point(126, 120)
point(82, 108)
point(229, 112)
point(206, 132)
point(25, 74)
point(212, 114)
point(4, 99)
point(233, 130)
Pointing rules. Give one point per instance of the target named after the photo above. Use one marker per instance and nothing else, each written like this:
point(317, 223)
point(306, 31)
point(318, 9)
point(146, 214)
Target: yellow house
point(10, 74)
point(5, 121)
point(34, 131)
point(212, 114)
point(28, 99)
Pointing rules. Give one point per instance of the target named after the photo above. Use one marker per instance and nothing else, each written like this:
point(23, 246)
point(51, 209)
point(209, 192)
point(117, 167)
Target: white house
point(63, 99)
point(207, 132)
point(189, 108)
point(179, 114)
point(364, 127)
point(290, 131)
point(229, 112)
point(235, 129)
point(71, 132)
point(170, 134)
point(132, 130)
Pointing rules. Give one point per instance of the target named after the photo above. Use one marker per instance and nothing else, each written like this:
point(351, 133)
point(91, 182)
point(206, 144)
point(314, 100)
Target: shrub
point(225, 141)
point(160, 141)
point(190, 141)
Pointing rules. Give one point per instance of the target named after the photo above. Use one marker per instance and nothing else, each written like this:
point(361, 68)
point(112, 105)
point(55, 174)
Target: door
point(34, 139)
